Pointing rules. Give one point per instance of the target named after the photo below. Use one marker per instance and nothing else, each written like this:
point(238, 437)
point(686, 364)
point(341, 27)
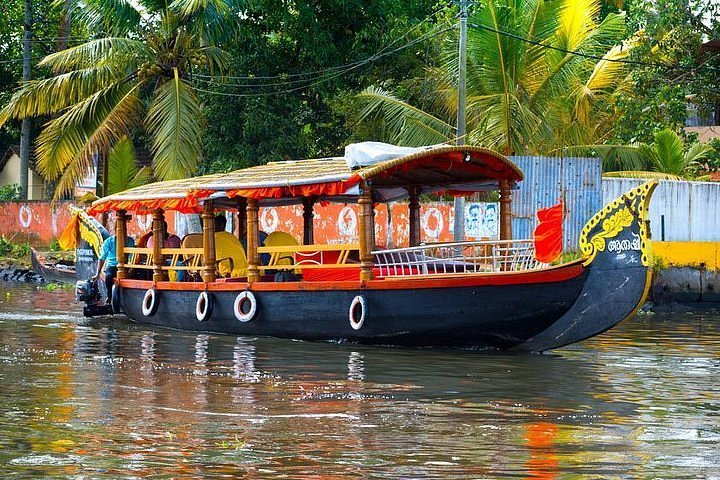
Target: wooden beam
point(208, 221)
point(252, 240)
point(308, 216)
point(505, 210)
point(366, 229)
point(242, 218)
point(414, 209)
point(120, 234)
point(158, 237)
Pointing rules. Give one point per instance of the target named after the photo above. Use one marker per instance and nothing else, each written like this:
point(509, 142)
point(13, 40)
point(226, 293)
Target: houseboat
point(491, 294)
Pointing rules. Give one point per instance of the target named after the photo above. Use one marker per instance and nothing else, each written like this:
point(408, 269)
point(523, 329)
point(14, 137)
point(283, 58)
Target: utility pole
point(459, 204)
point(26, 128)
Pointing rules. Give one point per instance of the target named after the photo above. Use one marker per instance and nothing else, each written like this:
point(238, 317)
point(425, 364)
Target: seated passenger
point(228, 247)
point(169, 240)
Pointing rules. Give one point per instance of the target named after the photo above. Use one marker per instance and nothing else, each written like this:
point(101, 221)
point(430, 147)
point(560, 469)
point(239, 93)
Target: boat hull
point(483, 311)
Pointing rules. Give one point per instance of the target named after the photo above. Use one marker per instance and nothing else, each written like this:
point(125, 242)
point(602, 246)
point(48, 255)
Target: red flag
point(548, 234)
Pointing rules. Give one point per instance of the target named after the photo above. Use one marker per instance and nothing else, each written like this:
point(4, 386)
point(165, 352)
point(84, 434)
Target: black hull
point(471, 316)
point(50, 273)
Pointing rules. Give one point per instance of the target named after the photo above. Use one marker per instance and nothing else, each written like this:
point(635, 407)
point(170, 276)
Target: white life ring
point(25, 216)
point(357, 323)
point(433, 233)
point(244, 298)
point(149, 303)
point(203, 306)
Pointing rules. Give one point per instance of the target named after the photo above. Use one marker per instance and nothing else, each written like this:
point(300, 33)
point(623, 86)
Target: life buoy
point(203, 306)
point(149, 303)
point(245, 306)
point(115, 299)
point(358, 303)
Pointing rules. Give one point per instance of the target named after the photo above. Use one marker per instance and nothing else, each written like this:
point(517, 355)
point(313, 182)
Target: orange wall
point(39, 224)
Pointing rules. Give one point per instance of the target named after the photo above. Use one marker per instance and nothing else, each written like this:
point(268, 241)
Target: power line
point(331, 76)
point(588, 55)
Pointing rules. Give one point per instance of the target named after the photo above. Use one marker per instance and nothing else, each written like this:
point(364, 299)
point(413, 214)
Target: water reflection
point(110, 399)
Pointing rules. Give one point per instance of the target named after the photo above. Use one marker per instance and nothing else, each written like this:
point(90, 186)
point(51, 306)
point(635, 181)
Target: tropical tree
point(136, 79)
point(540, 76)
point(665, 157)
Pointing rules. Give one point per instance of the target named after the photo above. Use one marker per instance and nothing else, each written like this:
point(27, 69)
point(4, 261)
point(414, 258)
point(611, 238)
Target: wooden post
point(365, 230)
point(252, 241)
point(158, 240)
point(120, 234)
point(242, 218)
point(208, 221)
point(505, 211)
point(414, 209)
point(308, 215)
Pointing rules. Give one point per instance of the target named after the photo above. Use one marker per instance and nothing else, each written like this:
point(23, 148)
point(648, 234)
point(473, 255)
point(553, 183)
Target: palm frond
point(123, 171)
point(67, 145)
point(668, 147)
point(615, 157)
point(174, 122)
point(95, 53)
point(50, 95)
point(399, 116)
point(113, 17)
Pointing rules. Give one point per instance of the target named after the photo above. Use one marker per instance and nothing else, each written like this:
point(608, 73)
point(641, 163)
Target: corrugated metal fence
point(577, 181)
point(679, 210)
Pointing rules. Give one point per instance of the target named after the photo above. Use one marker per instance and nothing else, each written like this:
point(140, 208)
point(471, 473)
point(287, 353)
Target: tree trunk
point(26, 129)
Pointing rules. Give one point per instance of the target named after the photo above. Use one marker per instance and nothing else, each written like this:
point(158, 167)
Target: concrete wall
point(11, 175)
point(680, 211)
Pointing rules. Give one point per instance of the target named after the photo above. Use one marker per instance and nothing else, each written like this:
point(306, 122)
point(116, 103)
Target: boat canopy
point(458, 170)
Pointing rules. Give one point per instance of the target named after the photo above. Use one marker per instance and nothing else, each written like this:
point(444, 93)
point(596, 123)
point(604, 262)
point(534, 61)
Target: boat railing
point(173, 258)
point(457, 258)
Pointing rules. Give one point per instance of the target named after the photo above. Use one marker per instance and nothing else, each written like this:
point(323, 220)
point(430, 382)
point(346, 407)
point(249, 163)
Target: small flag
point(548, 234)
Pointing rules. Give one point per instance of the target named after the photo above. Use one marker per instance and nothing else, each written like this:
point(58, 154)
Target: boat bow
point(617, 253)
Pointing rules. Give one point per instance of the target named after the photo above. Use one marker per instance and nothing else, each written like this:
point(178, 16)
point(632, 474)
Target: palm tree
point(527, 93)
point(666, 158)
point(136, 80)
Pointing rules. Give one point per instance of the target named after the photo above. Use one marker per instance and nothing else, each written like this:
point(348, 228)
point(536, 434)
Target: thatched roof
point(445, 168)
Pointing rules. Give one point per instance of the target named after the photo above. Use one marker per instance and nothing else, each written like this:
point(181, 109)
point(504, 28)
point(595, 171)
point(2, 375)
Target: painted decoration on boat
point(608, 233)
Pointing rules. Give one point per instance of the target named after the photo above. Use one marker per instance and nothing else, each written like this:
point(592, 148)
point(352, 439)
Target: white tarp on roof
point(364, 154)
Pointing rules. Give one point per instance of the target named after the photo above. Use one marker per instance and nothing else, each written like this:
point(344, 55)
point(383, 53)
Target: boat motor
point(88, 291)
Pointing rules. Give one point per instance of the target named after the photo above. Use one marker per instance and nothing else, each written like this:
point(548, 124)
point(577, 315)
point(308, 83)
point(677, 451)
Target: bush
point(11, 249)
point(9, 193)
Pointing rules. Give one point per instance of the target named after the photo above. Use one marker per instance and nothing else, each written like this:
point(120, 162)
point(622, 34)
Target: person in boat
point(229, 252)
point(108, 259)
point(170, 240)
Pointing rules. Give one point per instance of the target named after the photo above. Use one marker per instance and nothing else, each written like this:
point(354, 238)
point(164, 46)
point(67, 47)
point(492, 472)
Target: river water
point(96, 399)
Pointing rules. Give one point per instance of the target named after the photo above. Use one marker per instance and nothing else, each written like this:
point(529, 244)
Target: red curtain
point(548, 234)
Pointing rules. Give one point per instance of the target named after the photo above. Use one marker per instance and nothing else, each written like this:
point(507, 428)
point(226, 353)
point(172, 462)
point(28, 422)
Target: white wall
point(689, 211)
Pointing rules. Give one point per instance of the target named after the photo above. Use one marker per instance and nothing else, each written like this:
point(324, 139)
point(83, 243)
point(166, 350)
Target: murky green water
point(109, 399)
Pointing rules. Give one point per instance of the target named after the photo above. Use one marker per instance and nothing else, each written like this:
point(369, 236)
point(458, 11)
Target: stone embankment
point(13, 273)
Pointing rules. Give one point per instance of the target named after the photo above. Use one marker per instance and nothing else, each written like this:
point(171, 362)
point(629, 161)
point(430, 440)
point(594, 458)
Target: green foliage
point(10, 193)
point(712, 161)
point(54, 245)
point(295, 114)
point(18, 251)
point(123, 171)
point(521, 98)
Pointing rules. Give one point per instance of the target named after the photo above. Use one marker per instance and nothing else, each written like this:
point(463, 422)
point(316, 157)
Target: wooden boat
point(484, 294)
point(51, 271)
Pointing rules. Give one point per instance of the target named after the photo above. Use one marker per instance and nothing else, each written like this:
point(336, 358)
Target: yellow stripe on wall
point(688, 254)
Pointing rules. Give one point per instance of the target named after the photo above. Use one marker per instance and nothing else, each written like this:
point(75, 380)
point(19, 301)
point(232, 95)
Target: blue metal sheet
point(577, 181)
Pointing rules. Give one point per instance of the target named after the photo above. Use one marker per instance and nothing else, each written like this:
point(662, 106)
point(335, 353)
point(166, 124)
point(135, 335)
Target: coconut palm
point(136, 80)
point(526, 93)
point(666, 157)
